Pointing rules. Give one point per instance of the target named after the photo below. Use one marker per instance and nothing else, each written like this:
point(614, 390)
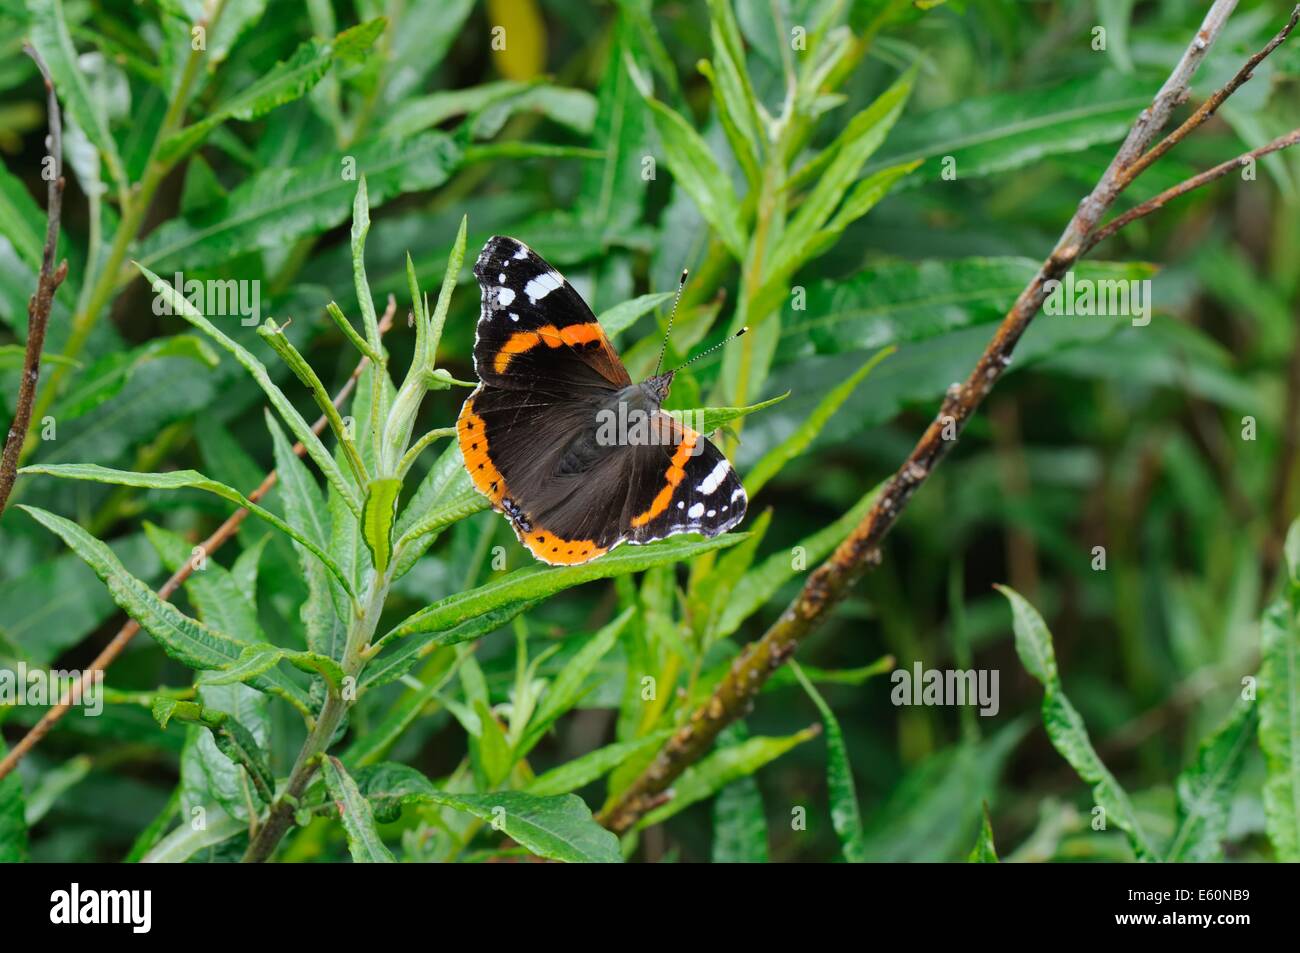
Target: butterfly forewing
point(534, 331)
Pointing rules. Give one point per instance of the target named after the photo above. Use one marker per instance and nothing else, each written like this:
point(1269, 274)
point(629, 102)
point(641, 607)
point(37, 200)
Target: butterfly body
point(576, 456)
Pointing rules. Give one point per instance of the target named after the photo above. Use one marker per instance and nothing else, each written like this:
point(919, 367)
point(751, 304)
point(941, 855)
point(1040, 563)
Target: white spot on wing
point(696, 511)
point(513, 316)
point(522, 251)
point(737, 493)
point(501, 277)
point(681, 504)
point(711, 513)
point(504, 297)
point(715, 478)
point(539, 287)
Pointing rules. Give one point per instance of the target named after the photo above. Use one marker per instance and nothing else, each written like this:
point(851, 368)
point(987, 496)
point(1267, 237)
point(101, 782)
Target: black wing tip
point(497, 250)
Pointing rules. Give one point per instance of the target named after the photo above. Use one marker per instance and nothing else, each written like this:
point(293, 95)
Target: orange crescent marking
point(674, 475)
point(521, 341)
point(472, 435)
point(550, 548)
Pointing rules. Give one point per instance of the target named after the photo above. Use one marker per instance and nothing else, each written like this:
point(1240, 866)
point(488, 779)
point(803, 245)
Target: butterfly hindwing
point(684, 485)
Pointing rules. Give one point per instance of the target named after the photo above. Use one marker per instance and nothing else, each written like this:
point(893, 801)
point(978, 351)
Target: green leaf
point(932, 814)
point(421, 535)
point(273, 334)
point(232, 738)
point(558, 828)
point(184, 639)
point(207, 772)
point(283, 83)
point(537, 581)
point(612, 195)
point(300, 428)
point(566, 689)
point(450, 275)
point(185, 479)
point(21, 220)
point(984, 852)
point(420, 40)
point(425, 112)
point(836, 169)
point(13, 825)
point(845, 816)
point(1279, 709)
point(277, 206)
point(364, 841)
point(720, 768)
point(1206, 787)
point(377, 520)
point(393, 665)
point(50, 36)
point(770, 464)
point(622, 316)
point(1004, 131)
point(1064, 725)
point(305, 508)
point(574, 108)
point(733, 97)
point(697, 172)
point(705, 420)
point(370, 746)
point(739, 819)
point(581, 771)
point(106, 377)
point(896, 303)
point(186, 841)
point(256, 659)
point(360, 229)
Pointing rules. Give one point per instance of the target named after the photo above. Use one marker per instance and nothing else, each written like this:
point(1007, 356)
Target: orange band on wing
point(472, 435)
point(550, 548)
point(674, 475)
point(548, 334)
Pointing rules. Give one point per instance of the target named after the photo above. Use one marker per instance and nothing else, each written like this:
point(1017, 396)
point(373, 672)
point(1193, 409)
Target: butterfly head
point(656, 387)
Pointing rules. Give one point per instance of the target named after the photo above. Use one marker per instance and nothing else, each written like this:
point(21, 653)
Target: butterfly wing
point(632, 493)
point(535, 332)
point(527, 433)
point(683, 484)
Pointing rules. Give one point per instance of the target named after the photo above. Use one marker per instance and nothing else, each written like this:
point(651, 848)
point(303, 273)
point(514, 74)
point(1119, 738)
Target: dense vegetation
point(369, 665)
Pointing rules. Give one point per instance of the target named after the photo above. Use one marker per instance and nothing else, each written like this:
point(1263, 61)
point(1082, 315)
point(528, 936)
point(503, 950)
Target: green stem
point(280, 816)
point(418, 447)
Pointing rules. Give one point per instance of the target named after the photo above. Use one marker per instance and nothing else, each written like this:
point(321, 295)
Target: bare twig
point(210, 545)
point(1187, 185)
point(1211, 105)
point(38, 306)
point(829, 583)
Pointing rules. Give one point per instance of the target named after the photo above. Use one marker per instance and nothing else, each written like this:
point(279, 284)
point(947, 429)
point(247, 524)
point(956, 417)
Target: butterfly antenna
point(671, 315)
point(710, 350)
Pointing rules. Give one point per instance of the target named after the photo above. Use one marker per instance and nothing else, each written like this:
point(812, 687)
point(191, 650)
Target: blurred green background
point(1103, 434)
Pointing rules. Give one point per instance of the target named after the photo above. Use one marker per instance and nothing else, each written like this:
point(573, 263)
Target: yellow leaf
point(518, 38)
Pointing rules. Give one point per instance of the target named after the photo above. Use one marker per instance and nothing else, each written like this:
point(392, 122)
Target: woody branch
point(42, 300)
point(861, 550)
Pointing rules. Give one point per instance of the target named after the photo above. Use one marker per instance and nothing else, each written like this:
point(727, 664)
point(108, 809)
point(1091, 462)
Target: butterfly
point(577, 457)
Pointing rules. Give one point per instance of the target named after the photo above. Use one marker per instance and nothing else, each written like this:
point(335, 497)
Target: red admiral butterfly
point(536, 432)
